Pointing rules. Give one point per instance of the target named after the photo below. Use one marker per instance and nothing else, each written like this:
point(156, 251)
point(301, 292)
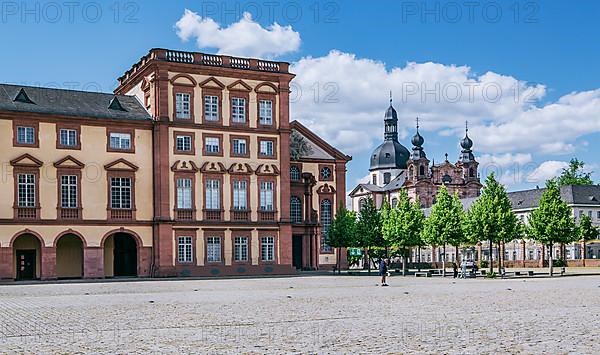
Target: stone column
point(583, 252)
point(93, 262)
point(524, 251)
point(48, 269)
point(479, 254)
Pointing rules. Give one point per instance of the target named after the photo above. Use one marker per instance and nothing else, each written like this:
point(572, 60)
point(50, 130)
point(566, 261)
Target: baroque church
point(393, 168)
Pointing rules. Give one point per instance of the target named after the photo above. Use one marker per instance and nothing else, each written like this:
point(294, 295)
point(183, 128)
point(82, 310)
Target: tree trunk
point(367, 261)
point(583, 247)
point(444, 262)
point(491, 261)
point(500, 257)
point(404, 264)
point(550, 266)
point(339, 262)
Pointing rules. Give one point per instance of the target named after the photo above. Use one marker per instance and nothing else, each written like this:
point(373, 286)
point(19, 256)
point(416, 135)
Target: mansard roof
point(71, 103)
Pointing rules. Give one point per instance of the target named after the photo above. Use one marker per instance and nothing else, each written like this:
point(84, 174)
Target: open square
point(314, 314)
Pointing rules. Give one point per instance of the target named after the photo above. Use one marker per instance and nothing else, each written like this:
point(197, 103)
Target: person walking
point(464, 269)
point(455, 269)
point(383, 269)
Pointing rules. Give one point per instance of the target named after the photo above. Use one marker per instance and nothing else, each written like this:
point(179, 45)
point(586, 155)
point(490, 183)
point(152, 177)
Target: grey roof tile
point(71, 103)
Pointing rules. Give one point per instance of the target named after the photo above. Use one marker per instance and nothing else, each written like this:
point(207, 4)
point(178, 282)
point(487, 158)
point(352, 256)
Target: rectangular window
point(184, 194)
point(213, 249)
point(25, 135)
point(184, 249)
point(120, 193)
point(266, 148)
point(266, 196)
point(68, 191)
point(598, 215)
point(68, 137)
point(267, 248)
point(121, 141)
point(183, 143)
point(26, 190)
point(265, 112)
point(211, 108)
point(238, 110)
point(211, 145)
point(590, 214)
point(239, 195)
point(239, 146)
point(213, 194)
point(240, 249)
point(182, 105)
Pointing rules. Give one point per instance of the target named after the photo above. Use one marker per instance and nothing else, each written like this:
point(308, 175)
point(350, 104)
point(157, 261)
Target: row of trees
point(395, 231)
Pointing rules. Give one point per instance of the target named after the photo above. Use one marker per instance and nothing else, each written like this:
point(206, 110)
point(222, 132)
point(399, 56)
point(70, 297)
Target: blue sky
point(550, 48)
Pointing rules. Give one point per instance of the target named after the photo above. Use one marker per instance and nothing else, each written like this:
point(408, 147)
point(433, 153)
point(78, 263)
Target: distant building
point(394, 168)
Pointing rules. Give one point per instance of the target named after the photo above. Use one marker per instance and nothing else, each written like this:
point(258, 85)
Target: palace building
point(394, 168)
point(191, 168)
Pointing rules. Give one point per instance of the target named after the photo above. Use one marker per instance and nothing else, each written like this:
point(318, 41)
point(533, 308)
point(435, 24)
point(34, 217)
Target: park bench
point(436, 272)
point(422, 273)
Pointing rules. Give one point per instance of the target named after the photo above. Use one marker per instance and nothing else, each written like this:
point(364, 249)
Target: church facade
point(394, 168)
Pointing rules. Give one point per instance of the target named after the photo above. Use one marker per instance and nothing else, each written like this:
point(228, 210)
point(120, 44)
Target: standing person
point(455, 269)
point(464, 269)
point(383, 269)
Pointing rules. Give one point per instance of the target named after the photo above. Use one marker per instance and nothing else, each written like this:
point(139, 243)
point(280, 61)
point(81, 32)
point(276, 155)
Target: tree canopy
point(587, 231)
point(552, 222)
point(402, 225)
point(444, 224)
point(342, 232)
point(369, 226)
point(574, 174)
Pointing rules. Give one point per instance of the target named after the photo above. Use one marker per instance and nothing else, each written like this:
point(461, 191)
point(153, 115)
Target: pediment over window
point(266, 88)
point(239, 168)
point(27, 160)
point(239, 85)
point(69, 162)
point(267, 169)
point(212, 83)
point(215, 168)
point(183, 80)
point(326, 189)
point(121, 165)
point(185, 166)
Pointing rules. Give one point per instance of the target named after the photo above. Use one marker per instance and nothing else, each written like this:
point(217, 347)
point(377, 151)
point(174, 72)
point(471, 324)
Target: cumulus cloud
point(243, 38)
point(548, 170)
point(341, 95)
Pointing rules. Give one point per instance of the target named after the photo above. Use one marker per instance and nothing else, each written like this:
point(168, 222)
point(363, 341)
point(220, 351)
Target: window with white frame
point(182, 105)
point(238, 110)
point(213, 194)
point(68, 191)
point(267, 248)
point(239, 146)
point(68, 137)
point(265, 108)
point(185, 249)
point(266, 148)
point(295, 173)
point(239, 195)
point(26, 190)
point(266, 196)
point(183, 143)
point(211, 145)
point(121, 141)
point(25, 135)
point(240, 249)
point(590, 214)
point(184, 194)
point(120, 193)
point(598, 214)
point(211, 108)
point(213, 249)
point(326, 212)
point(296, 209)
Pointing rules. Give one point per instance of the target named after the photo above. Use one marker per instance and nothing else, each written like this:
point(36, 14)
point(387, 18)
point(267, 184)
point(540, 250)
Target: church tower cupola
point(391, 123)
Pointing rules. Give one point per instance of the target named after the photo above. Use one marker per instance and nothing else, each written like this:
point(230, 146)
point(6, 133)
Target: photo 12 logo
point(469, 11)
point(69, 12)
point(271, 11)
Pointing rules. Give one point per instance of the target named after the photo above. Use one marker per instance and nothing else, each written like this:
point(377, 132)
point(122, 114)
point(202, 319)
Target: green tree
point(342, 232)
point(587, 231)
point(444, 224)
point(552, 221)
point(402, 225)
point(368, 229)
point(574, 174)
point(491, 219)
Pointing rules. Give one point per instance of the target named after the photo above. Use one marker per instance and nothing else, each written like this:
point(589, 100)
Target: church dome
point(418, 140)
point(466, 143)
point(389, 155)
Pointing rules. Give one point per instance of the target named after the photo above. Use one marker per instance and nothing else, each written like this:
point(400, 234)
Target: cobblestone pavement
point(317, 314)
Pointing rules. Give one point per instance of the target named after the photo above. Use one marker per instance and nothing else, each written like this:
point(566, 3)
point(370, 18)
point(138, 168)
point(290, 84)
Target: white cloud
point(243, 38)
point(547, 170)
point(340, 95)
